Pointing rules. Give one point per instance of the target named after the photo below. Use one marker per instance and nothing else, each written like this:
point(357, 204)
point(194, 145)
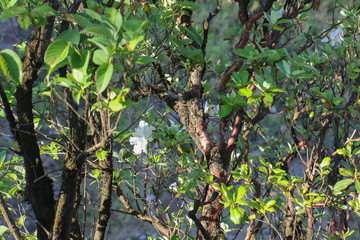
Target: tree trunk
point(39, 191)
point(73, 164)
point(104, 212)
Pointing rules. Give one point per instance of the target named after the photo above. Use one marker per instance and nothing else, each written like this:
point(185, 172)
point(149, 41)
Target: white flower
point(168, 77)
point(174, 186)
point(141, 137)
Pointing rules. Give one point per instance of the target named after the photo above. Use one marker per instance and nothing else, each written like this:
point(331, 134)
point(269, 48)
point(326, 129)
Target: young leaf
point(236, 213)
point(245, 92)
point(11, 65)
point(325, 162)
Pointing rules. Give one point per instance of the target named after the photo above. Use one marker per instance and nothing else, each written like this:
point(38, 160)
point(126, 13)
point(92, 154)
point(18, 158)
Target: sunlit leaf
point(103, 76)
point(11, 65)
point(56, 52)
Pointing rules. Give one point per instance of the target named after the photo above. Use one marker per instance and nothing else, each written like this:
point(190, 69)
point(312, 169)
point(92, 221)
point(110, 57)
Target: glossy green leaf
point(356, 151)
point(346, 172)
point(103, 76)
point(11, 65)
point(342, 185)
point(240, 194)
point(56, 52)
point(341, 151)
point(236, 214)
point(227, 196)
point(325, 162)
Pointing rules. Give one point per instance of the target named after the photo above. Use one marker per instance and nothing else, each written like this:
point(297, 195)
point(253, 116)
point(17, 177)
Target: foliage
point(128, 99)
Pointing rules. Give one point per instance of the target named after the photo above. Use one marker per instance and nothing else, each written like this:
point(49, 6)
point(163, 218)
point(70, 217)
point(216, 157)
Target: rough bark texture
point(104, 211)
point(39, 190)
point(72, 169)
point(211, 214)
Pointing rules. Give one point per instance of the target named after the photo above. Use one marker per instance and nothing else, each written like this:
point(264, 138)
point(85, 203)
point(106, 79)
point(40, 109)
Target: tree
point(125, 94)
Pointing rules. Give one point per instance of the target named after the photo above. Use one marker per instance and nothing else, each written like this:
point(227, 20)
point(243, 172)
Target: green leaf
point(240, 194)
point(356, 151)
point(346, 172)
point(357, 186)
point(81, 62)
point(103, 76)
point(93, 14)
point(99, 30)
point(143, 59)
point(227, 196)
point(56, 52)
point(115, 17)
point(76, 95)
point(101, 155)
point(12, 12)
point(70, 35)
point(236, 213)
point(325, 162)
point(190, 5)
point(245, 92)
point(284, 67)
point(4, 229)
point(45, 10)
point(81, 18)
point(11, 65)
point(194, 35)
point(342, 184)
point(24, 21)
point(225, 110)
point(116, 105)
point(100, 57)
point(133, 42)
point(341, 151)
point(273, 17)
point(7, 3)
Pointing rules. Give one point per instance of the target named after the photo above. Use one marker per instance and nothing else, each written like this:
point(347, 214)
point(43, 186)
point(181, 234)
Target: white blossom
point(141, 137)
point(174, 186)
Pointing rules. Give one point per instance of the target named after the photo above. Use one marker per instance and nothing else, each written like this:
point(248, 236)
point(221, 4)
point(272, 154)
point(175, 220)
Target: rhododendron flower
point(141, 137)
